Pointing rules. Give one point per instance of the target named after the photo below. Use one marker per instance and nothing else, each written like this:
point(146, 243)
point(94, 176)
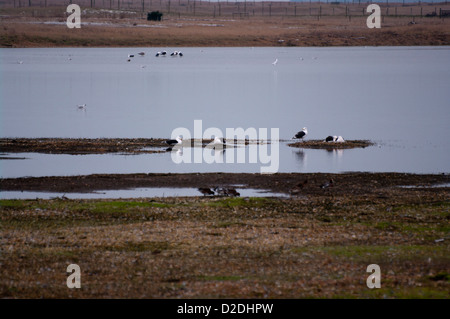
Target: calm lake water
point(398, 97)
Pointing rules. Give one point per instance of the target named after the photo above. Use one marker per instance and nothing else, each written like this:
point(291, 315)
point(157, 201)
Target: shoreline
point(345, 184)
point(314, 245)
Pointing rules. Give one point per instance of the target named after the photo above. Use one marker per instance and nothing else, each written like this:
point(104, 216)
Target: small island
point(321, 144)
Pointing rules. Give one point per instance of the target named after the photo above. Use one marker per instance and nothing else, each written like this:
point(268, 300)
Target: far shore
point(262, 24)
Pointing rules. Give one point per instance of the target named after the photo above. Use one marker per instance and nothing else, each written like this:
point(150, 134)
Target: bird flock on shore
point(219, 191)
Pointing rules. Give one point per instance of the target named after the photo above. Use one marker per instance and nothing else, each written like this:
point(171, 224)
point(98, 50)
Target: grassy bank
point(318, 246)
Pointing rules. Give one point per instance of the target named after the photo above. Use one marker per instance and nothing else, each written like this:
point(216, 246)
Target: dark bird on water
point(176, 141)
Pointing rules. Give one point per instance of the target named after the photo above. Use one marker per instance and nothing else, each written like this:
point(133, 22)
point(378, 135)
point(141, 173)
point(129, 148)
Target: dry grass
point(310, 246)
point(226, 248)
point(25, 28)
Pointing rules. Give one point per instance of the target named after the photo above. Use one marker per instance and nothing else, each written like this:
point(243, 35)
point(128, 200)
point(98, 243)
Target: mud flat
point(313, 245)
point(320, 144)
point(343, 184)
point(80, 146)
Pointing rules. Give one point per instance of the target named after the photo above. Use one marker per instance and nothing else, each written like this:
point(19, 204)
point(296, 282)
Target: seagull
point(141, 53)
point(301, 134)
point(175, 53)
point(178, 140)
point(163, 53)
point(206, 191)
point(20, 62)
point(81, 106)
point(275, 62)
point(334, 138)
point(219, 140)
point(131, 55)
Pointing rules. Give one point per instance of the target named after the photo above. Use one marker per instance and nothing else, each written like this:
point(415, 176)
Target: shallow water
point(132, 193)
point(398, 97)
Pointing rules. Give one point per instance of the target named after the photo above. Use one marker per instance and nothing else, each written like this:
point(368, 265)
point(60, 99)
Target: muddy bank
point(321, 144)
point(343, 184)
point(80, 146)
point(75, 146)
point(83, 146)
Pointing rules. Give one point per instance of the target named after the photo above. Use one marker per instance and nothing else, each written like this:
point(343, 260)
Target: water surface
point(396, 96)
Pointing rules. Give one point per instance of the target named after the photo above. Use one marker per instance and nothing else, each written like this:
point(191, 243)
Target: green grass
point(36, 214)
point(94, 207)
point(12, 204)
point(241, 202)
point(117, 206)
point(428, 230)
point(359, 253)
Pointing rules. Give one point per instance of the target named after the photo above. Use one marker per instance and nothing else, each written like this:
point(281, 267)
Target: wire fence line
point(237, 9)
